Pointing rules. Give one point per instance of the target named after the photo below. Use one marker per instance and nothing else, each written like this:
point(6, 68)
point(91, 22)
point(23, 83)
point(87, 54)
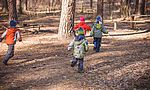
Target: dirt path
point(42, 62)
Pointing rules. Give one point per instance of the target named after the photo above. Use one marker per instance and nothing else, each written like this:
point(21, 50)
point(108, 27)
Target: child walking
point(80, 46)
point(97, 30)
point(11, 35)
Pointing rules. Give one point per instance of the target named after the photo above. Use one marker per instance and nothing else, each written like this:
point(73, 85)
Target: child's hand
point(69, 48)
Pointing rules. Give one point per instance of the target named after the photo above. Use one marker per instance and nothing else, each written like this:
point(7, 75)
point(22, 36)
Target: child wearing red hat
point(83, 25)
point(11, 35)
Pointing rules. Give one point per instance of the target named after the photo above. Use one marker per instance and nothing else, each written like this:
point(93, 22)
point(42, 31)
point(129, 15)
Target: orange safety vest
point(10, 36)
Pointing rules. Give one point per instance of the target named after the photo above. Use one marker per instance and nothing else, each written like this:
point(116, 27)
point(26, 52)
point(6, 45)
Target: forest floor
point(42, 62)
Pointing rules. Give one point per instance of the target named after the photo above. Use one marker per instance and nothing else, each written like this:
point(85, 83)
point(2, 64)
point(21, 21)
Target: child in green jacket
point(80, 46)
point(96, 32)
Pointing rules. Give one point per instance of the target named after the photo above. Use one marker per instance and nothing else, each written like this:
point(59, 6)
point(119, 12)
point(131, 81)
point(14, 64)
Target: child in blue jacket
point(96, 32)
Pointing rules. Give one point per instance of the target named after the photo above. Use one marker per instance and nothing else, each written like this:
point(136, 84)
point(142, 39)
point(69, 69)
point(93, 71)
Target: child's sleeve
point(18, 36)
point(92, 31)
point(104, 30)
point(4, 34)
point(71, 45)
point(86, 46)
point(86, 27)
point(76, 27)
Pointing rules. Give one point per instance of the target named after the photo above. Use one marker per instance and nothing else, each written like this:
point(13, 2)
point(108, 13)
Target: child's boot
point(94, 48)
point(5, 63)
point(73, 62)
point(80, 66)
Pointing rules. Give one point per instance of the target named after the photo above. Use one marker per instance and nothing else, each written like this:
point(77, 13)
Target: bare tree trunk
point(91, 4)
point(49, 6)
point(121, 8)
point(67, 15)
point(25, 5)
point(72, 13)
point(109, 1)
point(141, 8)
point(4, 6)
point(100, 8)
point(129, 7)
point(19, 6)
point(12, 9)
point(125, 8)
point(136, 6)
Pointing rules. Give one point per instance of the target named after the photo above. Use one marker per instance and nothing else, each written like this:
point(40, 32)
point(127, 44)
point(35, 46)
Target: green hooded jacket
point(79, 48)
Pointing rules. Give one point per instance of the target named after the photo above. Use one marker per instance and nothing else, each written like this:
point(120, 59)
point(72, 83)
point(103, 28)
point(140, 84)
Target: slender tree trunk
point(125, 8)
point(100, 8)
point(19, 6)
point(25, 5)
point(91, 4)
point(141, 10)
point(4, 6)
point(136, 6)
point(67, 15)
point(112, 9)
point(109, 1)
point(12, 9)
point(121, 8)
point(49, 6)
point(129, 7)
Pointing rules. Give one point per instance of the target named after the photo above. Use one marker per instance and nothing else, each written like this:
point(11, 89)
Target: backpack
point(79, 49)
point(98, 30)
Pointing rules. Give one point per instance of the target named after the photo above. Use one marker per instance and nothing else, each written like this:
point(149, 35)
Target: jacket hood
point(13, 23)
point(99, 19)
point(79, 38)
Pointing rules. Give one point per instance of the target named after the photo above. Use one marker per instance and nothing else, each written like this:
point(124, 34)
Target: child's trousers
point(97, 44)
point(9, 54)
point(80, 64)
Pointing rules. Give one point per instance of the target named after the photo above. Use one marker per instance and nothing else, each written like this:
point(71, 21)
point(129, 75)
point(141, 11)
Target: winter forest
point(74, 44)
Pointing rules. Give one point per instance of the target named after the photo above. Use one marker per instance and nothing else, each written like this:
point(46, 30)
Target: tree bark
point(67, 18)
point(136, 6)
point(12, 10)
point(109, 1)
point(91, 4)
point(4, 6)
point(19, 6)
point(100, 8)
point(25, 5)
point(141, 8)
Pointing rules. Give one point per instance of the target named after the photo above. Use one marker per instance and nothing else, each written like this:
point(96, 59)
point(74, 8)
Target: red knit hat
point(82, 18)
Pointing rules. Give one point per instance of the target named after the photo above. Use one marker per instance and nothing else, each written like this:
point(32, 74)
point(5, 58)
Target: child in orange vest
point(11, 35)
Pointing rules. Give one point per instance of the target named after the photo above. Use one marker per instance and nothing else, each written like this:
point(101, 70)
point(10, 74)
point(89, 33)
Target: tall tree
point(141, 8)
point(25, 3)
point(109, 1)
point(67, 17)
point(19, 6)
point(91, 4)
point(4, 6)
point(126, 8)
point(136, 6)
point(12, 9)
point(100, 7)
